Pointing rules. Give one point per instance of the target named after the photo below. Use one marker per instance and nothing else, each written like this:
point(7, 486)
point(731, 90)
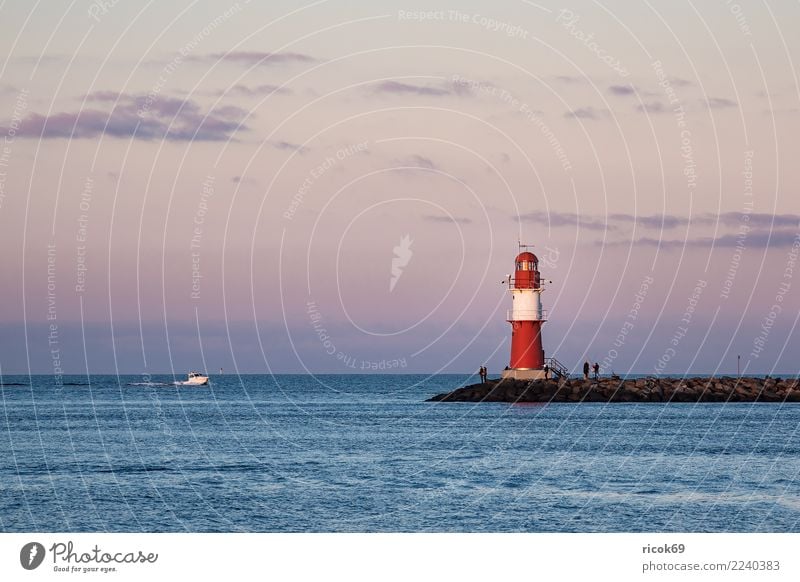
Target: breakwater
point(616, 389)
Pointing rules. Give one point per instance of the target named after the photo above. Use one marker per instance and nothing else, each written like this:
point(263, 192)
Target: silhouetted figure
point(546, 372)
point(482, 374)
point(596, 368)
point(586, 370)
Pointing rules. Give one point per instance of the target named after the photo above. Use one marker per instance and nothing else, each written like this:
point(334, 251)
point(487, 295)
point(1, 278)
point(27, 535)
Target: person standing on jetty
point(596, 369)
point(482, 374)
point(586, 370)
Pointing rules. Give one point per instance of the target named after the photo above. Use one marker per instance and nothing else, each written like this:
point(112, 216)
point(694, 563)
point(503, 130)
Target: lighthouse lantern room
point(526, 318)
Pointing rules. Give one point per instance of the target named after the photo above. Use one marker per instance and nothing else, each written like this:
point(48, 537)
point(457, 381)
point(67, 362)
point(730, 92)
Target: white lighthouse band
point(527, 305)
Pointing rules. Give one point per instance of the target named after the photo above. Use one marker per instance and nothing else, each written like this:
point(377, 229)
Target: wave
point(43, 469)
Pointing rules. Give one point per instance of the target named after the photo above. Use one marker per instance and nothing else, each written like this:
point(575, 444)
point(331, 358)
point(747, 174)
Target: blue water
point(366, 453)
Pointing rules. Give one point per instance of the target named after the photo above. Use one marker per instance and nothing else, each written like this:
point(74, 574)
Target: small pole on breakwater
point(738, 372)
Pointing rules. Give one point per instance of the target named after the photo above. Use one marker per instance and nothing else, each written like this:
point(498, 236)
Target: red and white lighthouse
point(526, 318)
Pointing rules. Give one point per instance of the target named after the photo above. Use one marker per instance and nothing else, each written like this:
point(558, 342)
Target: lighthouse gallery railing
point(527, 314)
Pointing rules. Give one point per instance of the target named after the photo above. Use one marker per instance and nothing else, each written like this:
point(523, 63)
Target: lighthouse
point(526, 318)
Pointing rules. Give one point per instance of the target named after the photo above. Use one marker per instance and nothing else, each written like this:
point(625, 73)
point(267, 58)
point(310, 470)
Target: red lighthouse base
point(527, 355)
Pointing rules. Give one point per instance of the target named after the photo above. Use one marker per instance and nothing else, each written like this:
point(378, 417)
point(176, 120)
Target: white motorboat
point(194, 379)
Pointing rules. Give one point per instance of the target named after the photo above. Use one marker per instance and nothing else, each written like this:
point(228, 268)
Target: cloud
point(398, 88)
point(447, 219)
point(557, 219)
point(711, 103)
point(652, 107)
point(766, 239)
point(621, 90)
point(417, 161)
point(287, 145)
point(763, 221)
point(679, 82)
point(765, 230)
point(754, 219)
point(720, 103)
point(569, 79)
point(457, 86)
point(587, 113)
point(138, 117)
point(255, 58)
point(257, 91)
point(245, 180)
point(785, 111)
point(463, 89)
point(230, 111)
point(757, 240)
point(652, 221)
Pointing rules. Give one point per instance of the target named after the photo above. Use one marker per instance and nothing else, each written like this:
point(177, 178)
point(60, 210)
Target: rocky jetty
point(616, 389)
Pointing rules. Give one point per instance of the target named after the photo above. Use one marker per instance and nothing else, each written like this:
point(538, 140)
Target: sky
point(340, 187)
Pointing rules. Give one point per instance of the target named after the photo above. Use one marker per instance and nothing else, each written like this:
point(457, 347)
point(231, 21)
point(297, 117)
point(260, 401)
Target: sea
point(367, 453)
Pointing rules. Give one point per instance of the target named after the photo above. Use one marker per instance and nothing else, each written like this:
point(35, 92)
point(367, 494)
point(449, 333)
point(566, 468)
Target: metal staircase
point(559, 370)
